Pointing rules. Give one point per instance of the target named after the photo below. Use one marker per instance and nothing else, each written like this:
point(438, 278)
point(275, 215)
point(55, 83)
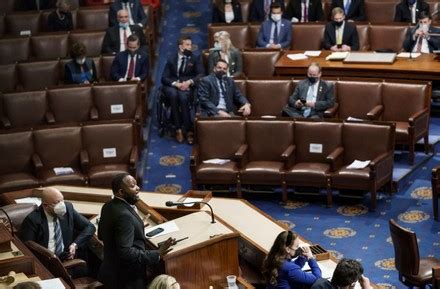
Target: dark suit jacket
point(324, 100)
point(349, 36)
point(356, 11)
point(284, 36)
point(208, 94)
point(112, 40)
point(74, 227)
point(433, 42)
point(403, 13)
point(219, 16)
point(72, 71)
point(193, 70)
point(125, 255)
point(314, 12)
point(120, 64)
point(256, 13)
point(235, 61)
point(137, 12)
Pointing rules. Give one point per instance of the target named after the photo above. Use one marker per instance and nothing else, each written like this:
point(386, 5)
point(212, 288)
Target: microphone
point(172, 204)
point(9, 220)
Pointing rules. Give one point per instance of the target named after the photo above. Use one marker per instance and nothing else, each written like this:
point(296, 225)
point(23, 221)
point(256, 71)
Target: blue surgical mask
point(123, 25)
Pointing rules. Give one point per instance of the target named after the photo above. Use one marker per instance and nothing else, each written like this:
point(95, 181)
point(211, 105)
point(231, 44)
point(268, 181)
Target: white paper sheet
point(187, 200)
point(358, 165)
point(337, 56)
point(51, 284)
point(296, 56)
point(354, 119)
point(167, 227)
point(407, 55)
point(29, 200)
point(216, 161)
point(312, 53)
point(63, 171)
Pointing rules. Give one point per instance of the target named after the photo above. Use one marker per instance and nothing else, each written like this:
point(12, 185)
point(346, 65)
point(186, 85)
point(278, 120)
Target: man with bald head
point(57, 226)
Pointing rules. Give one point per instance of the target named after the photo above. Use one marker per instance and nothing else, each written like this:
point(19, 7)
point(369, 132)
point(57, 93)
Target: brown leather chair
point(92, 41)
point(50, 46)
point(39, 74)
point(436, 277)
point(7, 6)
point(364, 141)
point(2, 25)
point(380, 11)
point(14, 49)
point(239, 34)
point(363, 33)
point(316, 144)
point(254, 29)
point(92, 18)
point(55, 148)
point(264, 162)
point(16, 213)
point(106, 64)
point(15, 161)
point(245, 8)
point(223, 139)
point(59, 269)
point(241, 84)
point(24, 109)
point(70, 104)
point(413, 270)
point(433, 7)
point(8, 77)
point(387, 37)
point(45, 16)
point(412, 119)
point(307, 36)
point(23, 21)
point(435, 179)
point(260, 62)
point(268, 97)
point(108, 150)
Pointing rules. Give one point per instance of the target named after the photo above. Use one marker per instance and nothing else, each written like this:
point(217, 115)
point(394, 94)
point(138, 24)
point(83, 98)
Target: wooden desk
point(424, 67)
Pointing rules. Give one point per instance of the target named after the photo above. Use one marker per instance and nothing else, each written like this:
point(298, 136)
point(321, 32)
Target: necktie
point(347, 6)
point(125, 39)
point(58, 238)
point(308, 110)
point(419, 44)
point(339, 36)
point(275, 33)
point(305, 11)
point(130, 73)
point(182, 65)
point(222, 97)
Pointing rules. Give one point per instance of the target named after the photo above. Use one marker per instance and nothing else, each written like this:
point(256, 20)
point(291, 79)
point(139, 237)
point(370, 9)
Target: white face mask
point(60, 209)
point(81, 60)
point(424, 27)
point(229, 16)
point(217, 45)
point(276, 17)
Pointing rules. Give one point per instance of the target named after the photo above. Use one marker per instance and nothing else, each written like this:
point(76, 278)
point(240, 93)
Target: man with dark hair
point(275, 32)
point(180, 76)
point(409, 10)
point(122, 231)
point(260, 9)
point(219, 96)
point(340, 35)
point(419, 39)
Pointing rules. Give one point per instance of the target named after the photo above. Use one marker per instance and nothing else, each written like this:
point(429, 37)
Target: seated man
point(131, 64)
point(275, 32)
point(54, 224)
point(419, 40)
point(115, 38)
point(136, 13)
point(260, 9)
point(219, 96)
point(409, 10)
point(311, 97)
point(304, 11)
point(354, 9)
point(340, 35)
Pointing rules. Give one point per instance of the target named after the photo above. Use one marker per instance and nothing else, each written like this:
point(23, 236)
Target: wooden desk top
point(424, 67)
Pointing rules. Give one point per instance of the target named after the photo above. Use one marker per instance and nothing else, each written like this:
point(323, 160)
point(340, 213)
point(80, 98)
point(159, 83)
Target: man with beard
point(122, 231)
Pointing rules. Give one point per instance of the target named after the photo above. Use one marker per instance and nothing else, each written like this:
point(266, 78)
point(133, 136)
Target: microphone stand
point(171, 204)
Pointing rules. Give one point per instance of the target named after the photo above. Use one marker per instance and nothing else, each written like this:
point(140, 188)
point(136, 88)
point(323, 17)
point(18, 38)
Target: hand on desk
point(165, 248)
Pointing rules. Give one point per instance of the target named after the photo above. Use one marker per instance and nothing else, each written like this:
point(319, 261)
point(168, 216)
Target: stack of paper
point(297, 56)
point(408, 54)
point(63, 171)
point(216, 161)
point(312, 53)
point(354, 119)
point(358, 165)
point(337, 56)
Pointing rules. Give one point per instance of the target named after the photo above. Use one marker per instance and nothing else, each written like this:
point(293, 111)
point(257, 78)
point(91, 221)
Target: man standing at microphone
point(419, 39)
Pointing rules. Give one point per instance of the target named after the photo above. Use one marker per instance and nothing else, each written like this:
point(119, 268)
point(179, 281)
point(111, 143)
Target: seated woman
point(164, 282)
point(226, 11)
point(223, 49)
point(61, 18)
point(81, 69)
point(281, 272)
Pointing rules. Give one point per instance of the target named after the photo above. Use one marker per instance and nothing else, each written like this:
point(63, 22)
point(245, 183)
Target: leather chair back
point(106, 64)
point(254, 29)
point(116, 101)
point(433, 7)
point(17, 213)
point(7, 6)
point(38, 75)
point(357, 98)
point(380, 11)
point(327, 4)
point(49, 47)
point(220, 139)
point(91, 40)
point(241, 84)
point(326, 134)
point(259, 134)
point(245, 8)
point(93, 18)
point(406, 249)
point(363, 32)
point(17, 149)
point(8, 77)
point(14, 49)
point(23, 21)
point(268, 97)
point(260, 63)
point(307, 36)
point(387, 37)
point(2, 25)
point(70, 104)
point(58, 147)
point(239, 34)
point(32, 102)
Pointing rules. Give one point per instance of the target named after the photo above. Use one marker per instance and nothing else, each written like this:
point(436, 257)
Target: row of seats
point(362, 98)
point(95, 153)
point(305, 153)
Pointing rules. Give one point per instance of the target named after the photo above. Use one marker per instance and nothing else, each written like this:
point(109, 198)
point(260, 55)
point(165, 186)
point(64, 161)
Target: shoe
point(190, 137)
point(179, 136)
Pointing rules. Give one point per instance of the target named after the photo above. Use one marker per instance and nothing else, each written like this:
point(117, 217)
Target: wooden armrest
point(375, 112)
point(50, 118)
point(138, 114)
point(5, 122)
point(74, 263)
point(36, 161)
point(194, 158)
point(133, 155)
point(417, 115)
point(288, 156)
point(378, 159)
point(94, 114)
point(84, 157)
point(331, 112)
point(239, 154)
point(335, 158)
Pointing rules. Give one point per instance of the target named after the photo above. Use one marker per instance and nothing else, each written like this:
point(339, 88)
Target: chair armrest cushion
point(5, 122)
point(138, 114)
point(288, 156)
point(94, 114)
point(382, 165)
point(133, 156)
point(50, 118)
point(74, 263)
point(335, 158)
point(240, 155)
point(36, 161)
point(84, 157)
point(417, 115)
point(375, 112)
point(194, 158)
point(331, 112)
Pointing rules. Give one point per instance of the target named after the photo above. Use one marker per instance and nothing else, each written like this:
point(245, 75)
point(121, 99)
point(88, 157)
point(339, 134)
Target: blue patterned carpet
point(347, 229)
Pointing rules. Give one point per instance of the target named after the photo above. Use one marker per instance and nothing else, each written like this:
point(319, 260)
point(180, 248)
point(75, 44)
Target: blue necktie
point(275, 33)
point(58, 238)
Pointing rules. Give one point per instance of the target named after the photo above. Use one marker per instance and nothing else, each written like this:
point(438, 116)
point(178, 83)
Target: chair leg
point(329, 194)
point(238, 187)
point(426, 143)
point(373, 200)
point(284, 193)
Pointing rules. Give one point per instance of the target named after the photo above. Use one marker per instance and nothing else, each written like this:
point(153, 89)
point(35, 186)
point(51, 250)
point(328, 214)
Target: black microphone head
point(169, 204)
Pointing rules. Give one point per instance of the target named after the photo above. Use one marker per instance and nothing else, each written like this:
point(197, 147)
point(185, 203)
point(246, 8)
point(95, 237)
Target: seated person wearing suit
point(223, 49)
point(181, 73)
point(61, 18)
point(347, 273)
point(54, 225)
point(311, 97)
point(219, 96)
point(281, 271)
point(354, 9)
point(131, 64)
point(226, 11)
point(340, 35)
point(275, 32)
point(136, 13)
point(418, 39)
point(116, 36)
point(409, 10)
point(260, 9)
point(81, 69)
point(304, 11)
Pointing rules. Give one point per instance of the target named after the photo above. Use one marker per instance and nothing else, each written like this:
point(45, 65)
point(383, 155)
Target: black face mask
point(312, 79)
point(130, 199)
point(338, 23)
point(187, 52)
point(220, 74)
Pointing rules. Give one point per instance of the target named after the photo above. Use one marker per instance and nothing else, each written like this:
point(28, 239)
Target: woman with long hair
point(224, 49)
point(226, 11)
point(164, 282)
point(281, 271)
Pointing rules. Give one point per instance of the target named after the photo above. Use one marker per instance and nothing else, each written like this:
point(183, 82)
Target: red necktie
point(130, 73)
point(419, 44)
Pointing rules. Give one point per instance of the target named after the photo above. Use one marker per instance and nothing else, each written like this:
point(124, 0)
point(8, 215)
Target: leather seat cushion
point(345, 178)
point(49, 177)
point(425, 271)
point(262, 172)
point(225, 173)
point(313, 173)
point(101, 175)
point(402, 131)
point(17, 181)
